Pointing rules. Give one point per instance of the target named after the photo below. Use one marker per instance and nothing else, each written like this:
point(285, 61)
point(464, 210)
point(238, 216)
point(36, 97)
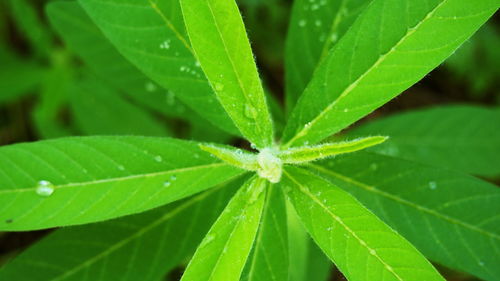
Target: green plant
point(344, 59)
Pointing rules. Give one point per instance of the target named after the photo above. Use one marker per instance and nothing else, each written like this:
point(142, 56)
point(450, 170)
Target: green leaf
point(361, 245)
point(269, 259)
point(224, 250)
point(84, 38)
point(461, 137)
point(391, 46)
point(133, 248)
point(315, 27)
point(99, 110)
point(220, 42)
point(452, 218)
point(312, 153)
point(307, 261)
point(152, 36)
point(80, 180)
point(233, 156)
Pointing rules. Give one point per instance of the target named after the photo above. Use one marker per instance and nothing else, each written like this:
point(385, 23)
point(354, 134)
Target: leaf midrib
point(353, 85)
point(362, 242)
point(374, 189)
point(115, 179)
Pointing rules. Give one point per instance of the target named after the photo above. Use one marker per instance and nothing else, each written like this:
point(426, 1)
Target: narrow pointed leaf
point(315, 27)
point(307, 261)
point(269, 259)
point(311, 153)
point(224, 250)
point(140, 247)
point(152, 36)
point(452, 218)
point(219, 39)
point(81, 180)
point(465, 138)
point(391, 46)
point(233, 156)
point(360, 244)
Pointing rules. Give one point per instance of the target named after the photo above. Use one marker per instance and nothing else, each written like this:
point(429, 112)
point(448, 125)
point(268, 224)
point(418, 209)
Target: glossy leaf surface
point(391, 46)
point(360, 244)
point(142, 242)
point(465, 138)
point(80, 180)
point(224, 250)
point(452, 218)
point(220, 42)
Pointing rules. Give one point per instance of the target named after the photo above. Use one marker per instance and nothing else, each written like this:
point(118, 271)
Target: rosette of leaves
point(379, 214)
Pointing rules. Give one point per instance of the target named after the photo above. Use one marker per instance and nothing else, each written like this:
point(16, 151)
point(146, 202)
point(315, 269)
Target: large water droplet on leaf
point(45, 188)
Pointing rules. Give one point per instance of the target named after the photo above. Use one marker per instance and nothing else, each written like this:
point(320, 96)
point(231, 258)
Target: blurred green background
point(49, 90)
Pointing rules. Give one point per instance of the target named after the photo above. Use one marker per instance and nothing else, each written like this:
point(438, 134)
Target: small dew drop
point(167, 184)
point(173, 177)
point(432, 185)
point(165, 45)
point(197, 64)
point(373, 166)
point(346, 110)
point(208, 239)
point(150, 87)
point(329, 228)
point(307, 125)
point(44, 188)
point(170, 98)
point(158, 158)
point(121, 168)
point(250, 111)
point(334, 37)
point(239, 151)
point(219, 87)
point(253, 146)
point(196, 156)
point(317, 23)
point(481, 263)
point(314, 7)
point(302, 23)
point(373, 252)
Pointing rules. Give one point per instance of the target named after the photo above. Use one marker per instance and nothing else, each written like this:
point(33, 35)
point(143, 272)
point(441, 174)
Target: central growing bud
point(270, 165)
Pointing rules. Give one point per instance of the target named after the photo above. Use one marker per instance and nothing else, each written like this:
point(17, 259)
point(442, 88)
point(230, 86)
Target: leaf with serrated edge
point(360, 244)
point(142, 242)
point(391, 46)
point(98, 178)
point(269, 258)
point(224, 250)
point(461, 137)
point(151, 35)
point(451, 217)
point(220, 42)
point(315, 27)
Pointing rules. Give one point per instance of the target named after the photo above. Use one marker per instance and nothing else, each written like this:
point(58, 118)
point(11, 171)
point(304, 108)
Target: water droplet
point(253, 146)
point(373, 252)
point(173, 177)
point(197, 64)
point(158, 158)
point(165, 44)
point(334, 37)
point(317, 23)
point(302, 23)
point(121, 168)
point(307, 125)
point(219, 87)
point(346, 110)
point(170, 98)
point(432, 185)
point(329, 228)
point(239, 151)
point(208, 239)
point(373, 166)
point(314, 7)
point(250, 111)
point(481, 263)
point(196, 156)
point(150, 86)
point(167, 184)
point(44, 188)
